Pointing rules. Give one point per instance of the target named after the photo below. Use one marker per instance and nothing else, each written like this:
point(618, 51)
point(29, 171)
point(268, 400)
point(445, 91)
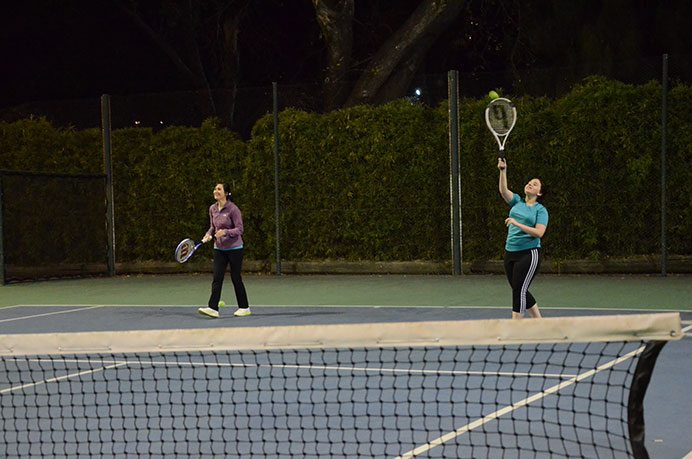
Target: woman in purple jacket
point(226, 228)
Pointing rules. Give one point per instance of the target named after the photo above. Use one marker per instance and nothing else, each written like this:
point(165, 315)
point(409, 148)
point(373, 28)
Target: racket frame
point(191, 245)
point(501, 138)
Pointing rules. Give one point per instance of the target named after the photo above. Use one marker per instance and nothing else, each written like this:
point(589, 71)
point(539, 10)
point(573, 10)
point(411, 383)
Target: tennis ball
point(493, 95)
point(222, 304)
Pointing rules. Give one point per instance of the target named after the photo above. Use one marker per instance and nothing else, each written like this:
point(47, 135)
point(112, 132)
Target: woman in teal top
point(526, 225)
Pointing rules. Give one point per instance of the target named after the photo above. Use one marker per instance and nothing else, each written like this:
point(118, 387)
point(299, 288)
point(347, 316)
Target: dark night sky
point(83, 48)
point(70, 49)
point(65, 49)
point(51, 52)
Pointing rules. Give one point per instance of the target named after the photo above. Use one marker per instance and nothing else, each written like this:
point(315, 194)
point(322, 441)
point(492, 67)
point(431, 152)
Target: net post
point(277, 209)
point(454, 166)
point(108, 166)
point(664, 141)
point(635, 402)
point(2, 236)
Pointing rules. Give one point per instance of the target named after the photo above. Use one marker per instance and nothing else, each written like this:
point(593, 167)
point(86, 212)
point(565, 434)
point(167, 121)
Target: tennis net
point(557, 387)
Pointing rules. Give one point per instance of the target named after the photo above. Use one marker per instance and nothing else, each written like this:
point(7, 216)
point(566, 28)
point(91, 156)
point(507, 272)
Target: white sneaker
point(209, 312)
point(241, 312)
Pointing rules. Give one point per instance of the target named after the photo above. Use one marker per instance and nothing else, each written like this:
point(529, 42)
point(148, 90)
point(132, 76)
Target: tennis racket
point(501, 116)
point(185, 250)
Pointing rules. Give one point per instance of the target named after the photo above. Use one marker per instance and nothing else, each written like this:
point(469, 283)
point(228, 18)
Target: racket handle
point(502, 153)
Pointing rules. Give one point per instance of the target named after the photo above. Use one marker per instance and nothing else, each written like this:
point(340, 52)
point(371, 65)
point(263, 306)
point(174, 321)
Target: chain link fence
point(650, 244)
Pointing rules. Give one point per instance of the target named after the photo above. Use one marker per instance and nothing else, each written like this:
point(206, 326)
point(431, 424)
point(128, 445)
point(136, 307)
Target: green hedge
point(360, 183)
point(372, 183)
point(35, 145)
point(163, 185)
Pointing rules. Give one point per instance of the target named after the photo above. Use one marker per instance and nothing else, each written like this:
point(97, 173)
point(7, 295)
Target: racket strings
point(184, 251)
point(501, 117)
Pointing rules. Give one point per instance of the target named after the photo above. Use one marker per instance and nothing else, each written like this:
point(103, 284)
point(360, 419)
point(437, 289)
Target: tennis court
point(387, 426)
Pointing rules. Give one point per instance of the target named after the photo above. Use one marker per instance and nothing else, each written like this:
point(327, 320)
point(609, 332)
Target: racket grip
point(502, 154)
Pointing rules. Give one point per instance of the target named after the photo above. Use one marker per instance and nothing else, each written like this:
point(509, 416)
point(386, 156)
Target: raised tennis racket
point(501, 116)
point(185, 250)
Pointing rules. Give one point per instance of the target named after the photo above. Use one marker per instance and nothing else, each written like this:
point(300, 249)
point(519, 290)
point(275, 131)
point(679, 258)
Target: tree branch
point(415, 36)
point(335, 18)
point(161, 43)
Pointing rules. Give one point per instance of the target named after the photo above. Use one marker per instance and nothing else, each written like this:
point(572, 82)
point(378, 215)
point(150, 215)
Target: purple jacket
point(228, 219)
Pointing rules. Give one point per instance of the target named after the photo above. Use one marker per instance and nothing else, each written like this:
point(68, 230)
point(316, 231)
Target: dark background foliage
point(372, 183)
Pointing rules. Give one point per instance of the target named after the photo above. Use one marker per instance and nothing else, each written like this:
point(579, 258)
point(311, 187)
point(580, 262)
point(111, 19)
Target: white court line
point(119, 362)
point(686, 335)
point(430, 306)
point(508, 409)
point(51, 313)
point(416, 371)
point(141, 305)
point(60, 378)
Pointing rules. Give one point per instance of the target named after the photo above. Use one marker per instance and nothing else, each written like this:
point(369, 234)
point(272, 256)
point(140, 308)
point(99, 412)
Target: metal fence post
point(277, 209)
point(108, 166)
point(454, 175)
point(664, 141)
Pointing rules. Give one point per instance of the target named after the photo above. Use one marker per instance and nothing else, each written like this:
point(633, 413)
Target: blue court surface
point(291, 405)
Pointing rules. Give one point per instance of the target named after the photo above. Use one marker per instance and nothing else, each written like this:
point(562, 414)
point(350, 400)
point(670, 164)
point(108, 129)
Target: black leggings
point(521, 267)
point(223, 258)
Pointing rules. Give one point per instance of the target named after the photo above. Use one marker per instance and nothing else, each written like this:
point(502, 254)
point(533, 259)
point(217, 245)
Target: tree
point(335, 18)
point(391, 68)
point(362, 65)
point(200, 39)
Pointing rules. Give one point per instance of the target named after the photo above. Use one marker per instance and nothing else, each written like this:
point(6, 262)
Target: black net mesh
point(512, 401)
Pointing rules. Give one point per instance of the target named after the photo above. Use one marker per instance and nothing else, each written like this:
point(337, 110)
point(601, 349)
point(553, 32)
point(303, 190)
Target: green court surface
point(618, 293)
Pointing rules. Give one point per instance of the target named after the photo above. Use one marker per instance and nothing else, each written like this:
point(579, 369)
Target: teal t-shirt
point(526, 215)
